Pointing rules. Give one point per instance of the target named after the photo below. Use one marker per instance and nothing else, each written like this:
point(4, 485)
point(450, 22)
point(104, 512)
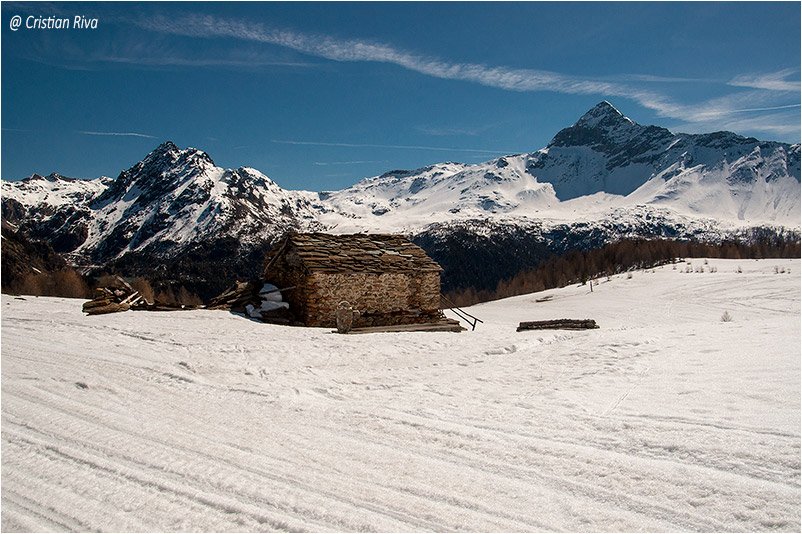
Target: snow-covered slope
point(438, 193)
point(664, 419)
point(602, 163)
point(53, 190)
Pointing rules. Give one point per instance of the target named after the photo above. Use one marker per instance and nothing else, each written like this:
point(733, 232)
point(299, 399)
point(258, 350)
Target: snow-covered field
point(665, 419)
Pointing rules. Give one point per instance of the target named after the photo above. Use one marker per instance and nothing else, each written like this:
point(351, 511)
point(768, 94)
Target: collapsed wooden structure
point(118, 296)
point(255, 299)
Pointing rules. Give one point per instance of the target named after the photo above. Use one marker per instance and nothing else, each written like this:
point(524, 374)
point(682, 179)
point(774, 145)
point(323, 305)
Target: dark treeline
point(31, 267)
point(621, 256)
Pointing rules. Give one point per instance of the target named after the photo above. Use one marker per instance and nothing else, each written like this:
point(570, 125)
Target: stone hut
point(386, 278)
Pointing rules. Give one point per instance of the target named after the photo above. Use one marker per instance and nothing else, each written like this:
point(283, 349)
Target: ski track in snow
point(664, 419)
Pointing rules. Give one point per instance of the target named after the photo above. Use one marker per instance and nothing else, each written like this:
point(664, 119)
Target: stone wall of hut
point(400, 296)
point(285, 276)
point(381, 298)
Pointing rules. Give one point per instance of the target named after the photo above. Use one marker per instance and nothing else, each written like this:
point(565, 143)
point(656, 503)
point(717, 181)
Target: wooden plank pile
point(446, 325)
point(118, 297)
point(558, 324)
point(236, 297)
point(255, 299)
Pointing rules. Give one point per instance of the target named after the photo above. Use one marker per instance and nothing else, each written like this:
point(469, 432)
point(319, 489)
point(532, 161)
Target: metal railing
point(446, 304)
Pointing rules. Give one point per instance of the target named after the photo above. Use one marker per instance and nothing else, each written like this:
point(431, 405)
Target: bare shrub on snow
point(64, 283)
point(144, 288)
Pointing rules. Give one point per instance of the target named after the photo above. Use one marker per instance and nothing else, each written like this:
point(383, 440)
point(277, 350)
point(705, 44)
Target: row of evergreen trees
point(621, 256)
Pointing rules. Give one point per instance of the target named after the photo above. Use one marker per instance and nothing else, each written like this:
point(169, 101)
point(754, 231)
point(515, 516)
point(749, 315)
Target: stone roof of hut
point(373, 253)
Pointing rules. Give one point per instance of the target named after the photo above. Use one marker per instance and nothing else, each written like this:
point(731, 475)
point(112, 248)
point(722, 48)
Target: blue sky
point(320, 95)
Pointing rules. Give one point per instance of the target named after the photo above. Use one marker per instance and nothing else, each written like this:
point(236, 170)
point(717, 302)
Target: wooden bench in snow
point(448, 325)
point(558, 324)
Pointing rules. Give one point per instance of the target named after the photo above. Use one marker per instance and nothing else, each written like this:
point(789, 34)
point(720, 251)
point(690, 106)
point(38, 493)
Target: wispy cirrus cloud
point(351, 50)
point(650, 78)
point(730, 111)
point(156, 52)
point(775, 81)
point(174, 61)
point(724, 111)
point(119, 134)
point(775, 89)
point(774, 123)
point(449, 131)
point(749, 110)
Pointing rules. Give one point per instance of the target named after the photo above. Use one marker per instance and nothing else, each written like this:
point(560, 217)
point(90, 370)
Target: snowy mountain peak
point(52, 177)
point(167, 146)
point(602, 125)
point(169, 155)
point(163, 170)
point(603, 114)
